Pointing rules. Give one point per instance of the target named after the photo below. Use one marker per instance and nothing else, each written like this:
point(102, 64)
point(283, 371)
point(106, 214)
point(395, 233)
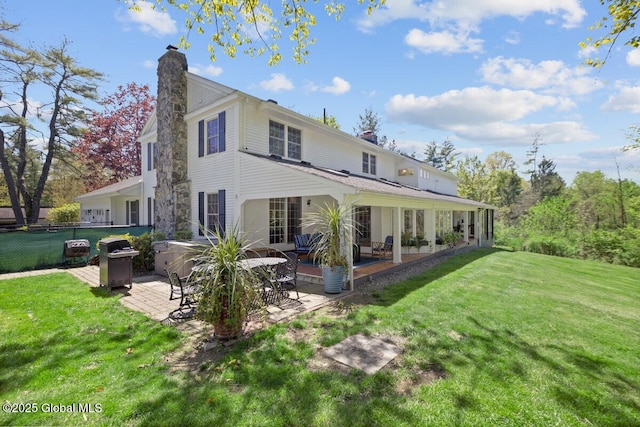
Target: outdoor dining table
point(249, 263)
point(261, 262)
point(265, 266)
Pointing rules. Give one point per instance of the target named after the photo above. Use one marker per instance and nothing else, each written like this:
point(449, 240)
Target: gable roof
point(117, 189)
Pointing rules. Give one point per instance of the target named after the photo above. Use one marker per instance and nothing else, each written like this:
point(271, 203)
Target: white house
point(115, 204)
point(217, 157)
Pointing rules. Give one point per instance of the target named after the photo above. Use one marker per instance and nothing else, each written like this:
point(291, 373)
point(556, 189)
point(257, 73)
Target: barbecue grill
point(76, 251)
point(116, 257)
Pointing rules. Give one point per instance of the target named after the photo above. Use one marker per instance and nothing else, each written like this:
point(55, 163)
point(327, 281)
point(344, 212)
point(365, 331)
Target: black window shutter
point(149, 205)
point(201, 213)
point(149, 154)
point(222, 208)
point(201, 138)
point(222, 130)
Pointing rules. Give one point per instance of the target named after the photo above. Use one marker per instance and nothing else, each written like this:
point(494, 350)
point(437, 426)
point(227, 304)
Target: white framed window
point(369, 163)
point(285, 215)
point(278, 134)
point(444, 222)
point(294, 146)
point(276, 138)
point(213, 136)
point(213, 212)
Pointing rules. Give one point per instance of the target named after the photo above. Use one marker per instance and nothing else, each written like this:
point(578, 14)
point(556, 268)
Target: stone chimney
point(173, 188)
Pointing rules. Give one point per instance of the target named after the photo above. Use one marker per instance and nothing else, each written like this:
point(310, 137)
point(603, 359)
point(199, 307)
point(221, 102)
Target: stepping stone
point(368, 354)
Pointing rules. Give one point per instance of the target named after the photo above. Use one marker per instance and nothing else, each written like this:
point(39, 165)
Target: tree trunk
point(11, 184)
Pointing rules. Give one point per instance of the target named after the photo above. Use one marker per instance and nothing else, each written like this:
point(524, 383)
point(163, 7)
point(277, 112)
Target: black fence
point(38, 248)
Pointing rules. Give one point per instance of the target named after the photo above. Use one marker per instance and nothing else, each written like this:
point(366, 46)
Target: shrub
point(508, 236)
point(182, 235)
point(65, 213)
point(550, 246)
point(145, 261)
point(615, 247)
point(602, 245)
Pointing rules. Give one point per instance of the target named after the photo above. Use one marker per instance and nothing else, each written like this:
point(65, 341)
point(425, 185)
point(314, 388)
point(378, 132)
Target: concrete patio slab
point(369, 354)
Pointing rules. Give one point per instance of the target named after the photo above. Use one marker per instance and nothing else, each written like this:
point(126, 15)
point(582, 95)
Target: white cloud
point(441, 14)
point(338, 86)
point(587, 52)
point(470, 105)
point(149, 64)
point(35, 109)
point(487, 115)
point(633, 58)
point(627, 99)
point(205, 70)
point(393, 11)
point(277, 83)
point(551, 76)
point(513, 37)
point(149, 19)
point(445, 42)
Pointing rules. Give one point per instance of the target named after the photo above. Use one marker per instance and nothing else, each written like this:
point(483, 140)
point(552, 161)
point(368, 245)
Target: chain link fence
point(23, 250)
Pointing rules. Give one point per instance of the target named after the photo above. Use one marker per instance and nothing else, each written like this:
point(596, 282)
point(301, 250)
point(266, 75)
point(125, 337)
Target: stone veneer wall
point(173, 188)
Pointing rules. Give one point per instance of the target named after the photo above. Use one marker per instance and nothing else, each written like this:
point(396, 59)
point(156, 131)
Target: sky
point(487, 75)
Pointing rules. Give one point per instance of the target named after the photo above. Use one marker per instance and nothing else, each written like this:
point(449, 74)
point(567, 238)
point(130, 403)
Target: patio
point(150, 294)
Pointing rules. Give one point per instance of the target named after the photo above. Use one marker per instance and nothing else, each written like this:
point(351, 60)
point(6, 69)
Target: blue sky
point(488, 75)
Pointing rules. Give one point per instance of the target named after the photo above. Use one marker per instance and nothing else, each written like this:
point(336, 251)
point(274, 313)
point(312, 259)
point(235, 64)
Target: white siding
point(202, 92)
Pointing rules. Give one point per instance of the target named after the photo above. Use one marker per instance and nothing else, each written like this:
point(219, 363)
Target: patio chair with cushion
point(381, 249)
point(305, 243)
point(188, 294)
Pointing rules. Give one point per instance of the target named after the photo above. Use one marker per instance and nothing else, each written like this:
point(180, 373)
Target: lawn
point(489, 337)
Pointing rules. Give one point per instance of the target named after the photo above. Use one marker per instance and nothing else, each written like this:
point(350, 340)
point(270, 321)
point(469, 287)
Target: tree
point(61, 117)
point(473, 179)
point(327, 119)
point(495, 181)
point(505, 183)
point(371, 122)
point(109, 148)
point(532, 157)
point(633, 135)
point(546, 181)
point(622, 14)
point(245, 24)
point(441, 156)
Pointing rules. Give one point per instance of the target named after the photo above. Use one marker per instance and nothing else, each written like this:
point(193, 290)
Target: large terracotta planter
point(333, 277)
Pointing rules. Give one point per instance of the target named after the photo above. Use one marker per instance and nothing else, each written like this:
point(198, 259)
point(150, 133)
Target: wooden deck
point(314, 274)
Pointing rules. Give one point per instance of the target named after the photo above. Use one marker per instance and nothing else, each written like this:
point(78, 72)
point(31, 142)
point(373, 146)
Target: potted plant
point(228, 290)
point(334, 226)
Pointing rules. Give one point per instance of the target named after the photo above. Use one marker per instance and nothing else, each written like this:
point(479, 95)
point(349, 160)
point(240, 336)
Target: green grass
point(63, 343)
point(490, 338)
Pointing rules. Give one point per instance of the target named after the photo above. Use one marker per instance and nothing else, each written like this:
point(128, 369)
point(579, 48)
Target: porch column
point(397, 235)
point(465, 226)
point(432, 229)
